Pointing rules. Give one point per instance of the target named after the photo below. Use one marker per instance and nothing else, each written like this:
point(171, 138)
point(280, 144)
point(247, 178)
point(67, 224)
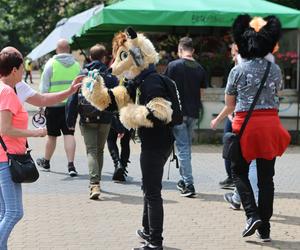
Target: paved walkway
point(59, 215)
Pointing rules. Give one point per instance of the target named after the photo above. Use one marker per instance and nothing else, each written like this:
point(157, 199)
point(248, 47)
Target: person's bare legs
point(70, 146)
point(44, 162)
point(50, 147)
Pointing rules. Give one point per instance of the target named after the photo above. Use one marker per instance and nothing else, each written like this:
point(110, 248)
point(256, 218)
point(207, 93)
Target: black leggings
point(125, 147)
point(265, 173)
point(152, 166)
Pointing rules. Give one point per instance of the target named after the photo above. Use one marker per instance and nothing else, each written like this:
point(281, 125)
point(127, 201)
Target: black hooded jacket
point(72, 107)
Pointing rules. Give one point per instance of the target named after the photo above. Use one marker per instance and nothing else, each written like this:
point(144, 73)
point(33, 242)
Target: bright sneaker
point(43, 163)
point(148, 247)
point(94, 191)
point(180, 185)
point(233, 205)
point(227, 183)
point(188, 191)
point(252, 224)
point(72, 171)
point(142, 235)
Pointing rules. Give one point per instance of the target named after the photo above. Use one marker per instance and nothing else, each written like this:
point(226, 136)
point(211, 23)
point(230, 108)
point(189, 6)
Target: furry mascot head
point(133, 53)
point(256, 37)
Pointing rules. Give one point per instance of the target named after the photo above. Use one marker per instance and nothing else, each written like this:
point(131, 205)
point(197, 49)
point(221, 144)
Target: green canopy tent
point(171, 16)
point(180, 17)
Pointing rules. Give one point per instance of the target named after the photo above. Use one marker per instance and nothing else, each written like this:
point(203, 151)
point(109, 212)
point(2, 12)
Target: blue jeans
point(253, 181)
point(183, 140)
point(11, 207)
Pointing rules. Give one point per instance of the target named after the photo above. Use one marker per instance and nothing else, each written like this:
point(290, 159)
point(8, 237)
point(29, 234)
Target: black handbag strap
point(255, 99)
point(3, 144)
point(1, 140)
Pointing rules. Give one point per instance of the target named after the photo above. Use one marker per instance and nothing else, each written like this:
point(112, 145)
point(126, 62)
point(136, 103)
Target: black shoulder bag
point(22, 166)
point(232, 148)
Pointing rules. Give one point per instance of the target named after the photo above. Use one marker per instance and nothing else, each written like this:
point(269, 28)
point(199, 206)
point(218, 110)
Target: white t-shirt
point(24, 91)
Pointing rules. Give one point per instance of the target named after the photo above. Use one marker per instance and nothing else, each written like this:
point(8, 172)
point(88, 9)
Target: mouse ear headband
point(256, 37)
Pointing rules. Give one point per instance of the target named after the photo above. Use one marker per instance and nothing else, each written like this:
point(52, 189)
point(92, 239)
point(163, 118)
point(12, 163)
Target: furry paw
point(135, 116)
point(95, 92)
point(161, 109)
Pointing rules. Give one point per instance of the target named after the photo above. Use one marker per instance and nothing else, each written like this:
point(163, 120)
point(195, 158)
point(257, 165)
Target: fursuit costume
point(264, 137)
point(135, 57)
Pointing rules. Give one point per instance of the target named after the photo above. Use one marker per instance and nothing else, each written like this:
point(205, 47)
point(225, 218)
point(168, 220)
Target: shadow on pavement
point(286, 219)
point(277, 244)
point(171, 248)
point(78, 177)
point(127, 199)
point(166, 185)
point(210, 197)
point(288, 195)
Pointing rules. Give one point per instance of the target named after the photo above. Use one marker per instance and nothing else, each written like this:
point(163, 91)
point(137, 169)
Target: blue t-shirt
point(244, 81)
point(190, 77)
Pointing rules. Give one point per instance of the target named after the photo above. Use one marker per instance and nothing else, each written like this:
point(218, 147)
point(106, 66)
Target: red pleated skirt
point(264, 136)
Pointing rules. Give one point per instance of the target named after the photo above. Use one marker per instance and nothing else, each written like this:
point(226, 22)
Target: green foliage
point(289, 3)
point(25, 23)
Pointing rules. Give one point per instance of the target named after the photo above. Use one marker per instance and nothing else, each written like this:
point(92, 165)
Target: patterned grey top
point(244, 80)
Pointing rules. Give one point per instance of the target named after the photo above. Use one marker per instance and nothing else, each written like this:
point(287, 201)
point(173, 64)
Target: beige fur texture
point(161, 109)
point(134, 116)
point(121, 96)
point(98, 96)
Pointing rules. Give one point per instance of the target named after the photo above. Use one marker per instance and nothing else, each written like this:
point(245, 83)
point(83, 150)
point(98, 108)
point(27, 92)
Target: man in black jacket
point(94, 124)
point(190, 78)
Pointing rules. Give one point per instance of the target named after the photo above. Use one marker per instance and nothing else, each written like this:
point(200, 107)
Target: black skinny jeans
point(125, 144)
point(228, 128)
point(265, 173)
point(152, 166)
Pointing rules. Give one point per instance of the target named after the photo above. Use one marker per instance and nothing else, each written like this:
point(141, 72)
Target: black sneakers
point(43, 163)
point(188, 191)
point(120, 174)
point(142, 235)
point(72, 171)
point(233, 205)
point(252, 224)
point(180, 185)
point(263, 237)
point(148, 247)
point(227, 183)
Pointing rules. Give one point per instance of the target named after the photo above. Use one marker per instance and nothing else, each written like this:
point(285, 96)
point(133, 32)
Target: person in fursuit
point(135, 59)
point(58, 75)
point(263, 138)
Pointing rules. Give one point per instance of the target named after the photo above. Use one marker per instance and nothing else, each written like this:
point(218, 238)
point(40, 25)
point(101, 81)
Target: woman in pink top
point(13, 129)
point(14, 132)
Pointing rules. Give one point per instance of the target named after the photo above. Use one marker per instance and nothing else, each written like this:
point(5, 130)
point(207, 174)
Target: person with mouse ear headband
point(262, 137)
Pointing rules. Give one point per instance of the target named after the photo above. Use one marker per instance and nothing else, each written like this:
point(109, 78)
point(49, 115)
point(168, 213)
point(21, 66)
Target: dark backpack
point(86, 110)
point(170, 85)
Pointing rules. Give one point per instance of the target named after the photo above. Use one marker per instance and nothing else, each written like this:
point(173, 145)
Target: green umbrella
point(168, 15)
